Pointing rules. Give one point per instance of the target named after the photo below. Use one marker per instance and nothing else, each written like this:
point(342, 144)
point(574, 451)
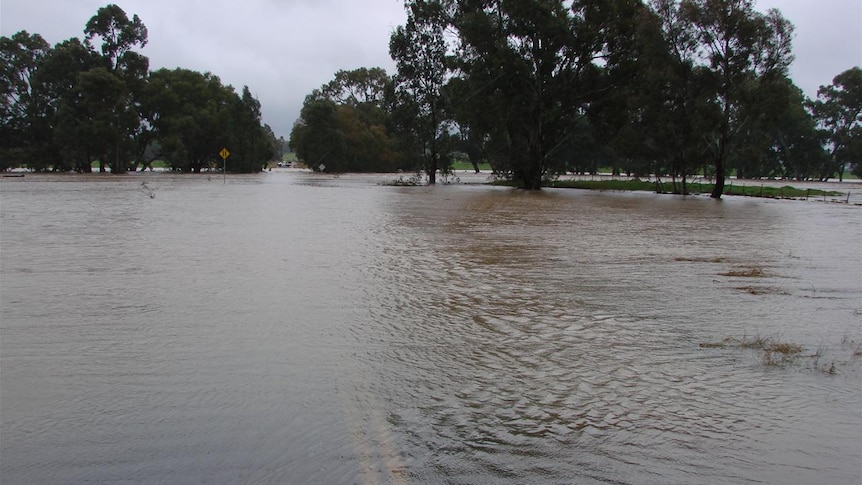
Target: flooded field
point(298, 328)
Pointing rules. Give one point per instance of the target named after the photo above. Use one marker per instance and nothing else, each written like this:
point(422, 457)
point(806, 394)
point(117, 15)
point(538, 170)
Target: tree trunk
point(718, 190)
point(532, 176)
point(432, 170)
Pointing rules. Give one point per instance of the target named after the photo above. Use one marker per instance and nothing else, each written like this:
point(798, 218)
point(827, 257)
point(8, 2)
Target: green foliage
point(20, 104)
point(343, 125)
point(530, 65)
point(530, 88)
point(97, 121)
point(419, 50)
point(69, 105)
point(838, 111)
point(119, 35)
point(749, 190)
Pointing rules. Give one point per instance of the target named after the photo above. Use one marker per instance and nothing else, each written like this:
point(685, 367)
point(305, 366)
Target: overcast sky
point(283, 49)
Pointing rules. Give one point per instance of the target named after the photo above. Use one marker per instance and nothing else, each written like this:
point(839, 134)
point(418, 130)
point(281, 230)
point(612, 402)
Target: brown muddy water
point(295, 328)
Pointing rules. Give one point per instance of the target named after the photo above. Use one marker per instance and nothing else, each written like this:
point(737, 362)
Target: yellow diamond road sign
point(224, 153)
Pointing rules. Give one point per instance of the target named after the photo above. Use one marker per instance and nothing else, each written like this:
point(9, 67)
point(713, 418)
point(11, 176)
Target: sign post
point(224, 154)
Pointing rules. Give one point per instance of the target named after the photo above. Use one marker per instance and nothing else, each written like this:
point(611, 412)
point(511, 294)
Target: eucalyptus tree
point(535, 68)
point(838, 111)
point(779, 137)
point(358, 87)
point(673, 96)
point(20, 105)
point(522, 64)
point(97, 122)
point(346, 124)
point(119, 36)
point(252, 142)
point(190, 113)
point(317, 138)
point(796, 149)
point(419, 50)
point(57, 83)
point(741, 48)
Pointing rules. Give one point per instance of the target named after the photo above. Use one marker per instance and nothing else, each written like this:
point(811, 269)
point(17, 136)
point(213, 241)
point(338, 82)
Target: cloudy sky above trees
point(283, 49)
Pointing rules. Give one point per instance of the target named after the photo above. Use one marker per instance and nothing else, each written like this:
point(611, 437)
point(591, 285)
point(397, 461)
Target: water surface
point(298, 328)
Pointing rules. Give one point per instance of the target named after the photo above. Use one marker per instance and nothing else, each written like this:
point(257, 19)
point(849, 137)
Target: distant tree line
point(538, 88)
point(66, 107)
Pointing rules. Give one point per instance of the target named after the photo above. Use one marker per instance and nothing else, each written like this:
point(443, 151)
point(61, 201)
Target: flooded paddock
point(298, 328)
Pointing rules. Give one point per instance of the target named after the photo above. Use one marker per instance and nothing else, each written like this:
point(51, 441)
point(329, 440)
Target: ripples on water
point(297, 328)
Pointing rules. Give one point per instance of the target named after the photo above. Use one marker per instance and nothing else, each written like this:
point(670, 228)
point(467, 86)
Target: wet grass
point(852, 345)
point(757, 343)
point(773, 353)
point(761, 290)
point(777, 353)
point(785, 192)
point(700, 260)
point(468, 167)
point(755, 272)
point(608, 185)
point(413, 180)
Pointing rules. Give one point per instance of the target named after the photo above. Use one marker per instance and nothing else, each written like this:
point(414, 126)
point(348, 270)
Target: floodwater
point(298, 328)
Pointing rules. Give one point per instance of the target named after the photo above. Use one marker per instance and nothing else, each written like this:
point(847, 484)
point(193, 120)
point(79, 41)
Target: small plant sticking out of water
point(412, 181)
point(755, 272)
point(773, 353)
point(700, 260)
point(768, 345)
point(151, 192)
point(852, 345)
point(762, 290)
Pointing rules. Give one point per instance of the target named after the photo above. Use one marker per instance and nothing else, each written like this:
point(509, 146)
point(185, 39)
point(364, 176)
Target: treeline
point(68, 106)
point(538, 88)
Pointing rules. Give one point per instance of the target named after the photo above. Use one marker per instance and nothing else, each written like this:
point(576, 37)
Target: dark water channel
point(293, 328)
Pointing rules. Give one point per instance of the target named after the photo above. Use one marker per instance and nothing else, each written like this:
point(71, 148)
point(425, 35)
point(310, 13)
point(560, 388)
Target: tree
point(519, 61)
point(358, 87)
point(671, 107)
point(20, 105)
point(536, 67)
point(252, 145)
point(317, 137)
point(739, 46)
point(98, 120)
point(419, 51)
point(189, 113)
point(67, 106)
point(838, 111)
point(345, 125)
point(56, 81)
point(796, 149)
point(119, 35)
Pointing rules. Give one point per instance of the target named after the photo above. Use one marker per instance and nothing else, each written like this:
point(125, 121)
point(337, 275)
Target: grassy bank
point(747, 190)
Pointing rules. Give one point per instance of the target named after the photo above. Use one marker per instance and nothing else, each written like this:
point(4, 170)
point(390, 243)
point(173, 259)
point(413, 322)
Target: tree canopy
point(537, 88)
point(534, 88)
point(67, 106)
